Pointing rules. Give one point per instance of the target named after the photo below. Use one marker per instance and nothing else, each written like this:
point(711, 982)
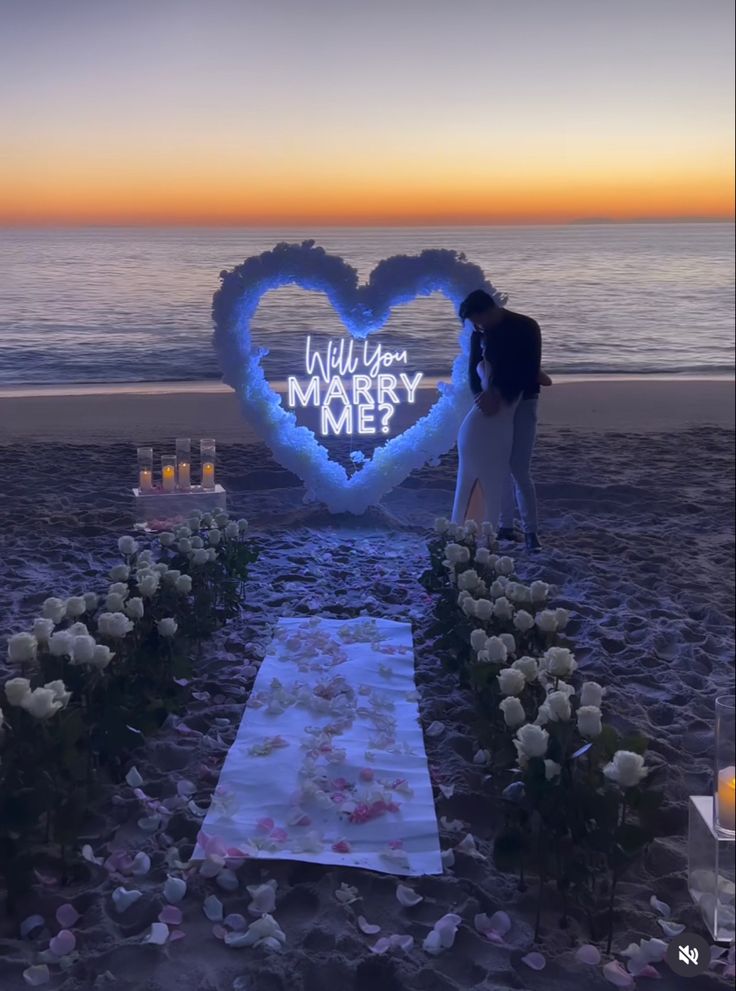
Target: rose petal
point(366, 927)
point(176, 934)
point(63, 943)
point(588, 954)
point(66, 915)
point(447, 790)
point(158, 935)
point(212, 908)
point(381, 946)
point(37, 975)
point(141, 864)
point(29, 924)
point(123, 899)
point(662, 907)
point(171, 915)
point(615, 974)
point(236, 922)
point(227, 880)
point(184, 789)
point(407, 896)
point(534, 960)
point(670, 929)
point(435, 729)
point(174, 889)
point(133, 778)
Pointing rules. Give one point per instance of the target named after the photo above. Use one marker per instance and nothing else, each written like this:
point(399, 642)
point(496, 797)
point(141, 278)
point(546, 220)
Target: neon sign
point(352, 387)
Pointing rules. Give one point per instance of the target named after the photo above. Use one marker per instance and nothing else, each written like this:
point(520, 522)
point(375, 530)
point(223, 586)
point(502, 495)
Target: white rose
point(167, 627)
point(511, 682)
point(196, 543)
point(441, 524)
point(551, 769)
point(487, 529)
point(626, 769)
point(231, 531)
point(200, 557)
point(523, 621)
point(183, 531)
point(211, 554)
point(60, 643)
point(170, 576)
point(82, 649)
point(483, 609)
point(509, 643)
point(558, 704)
point(166, 539)
point(183, 584)
point(161, 568)
point(102, 656)
point(206, 519)
point(114, 602)
point(482, 556)
point(502, 609)
point(518, 592)
point(528, 667)
point(513, 712)
point(478, 639)
point(457, 554)
point(60, 691)
point(546, 621)
point(539, 591)
point(119, 588)
point(120, 573)
point(127, 546)
point(468, 606)
point(591, 693)
point(543, 715)
point(134, 608)
point(564, 687)
point(16, 690)
point(589, 721)
point(560, 662)
point(505, 566)
point(563, 618)
point(531, 741)
point(242, 526)
point(42, 629)
point(498, 588)
point(148, 585)
point(496, 650)
point(91, 599)
point(54, 609)
point(467, 579)
point(76, 606)
point(78, 630)
point(214, 537)
point(184, 546)
point(114, 624)
point(41, 703)
point(22, 647)
point(222, 519)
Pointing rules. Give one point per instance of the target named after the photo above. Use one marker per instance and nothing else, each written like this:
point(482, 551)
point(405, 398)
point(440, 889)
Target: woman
point(486, 434)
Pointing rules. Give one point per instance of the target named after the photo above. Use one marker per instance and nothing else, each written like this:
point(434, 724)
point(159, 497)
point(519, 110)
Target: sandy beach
point(635, 479)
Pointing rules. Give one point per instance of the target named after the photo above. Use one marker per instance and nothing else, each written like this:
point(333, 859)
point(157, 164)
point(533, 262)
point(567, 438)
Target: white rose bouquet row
point(98, 670)
point(579, 799)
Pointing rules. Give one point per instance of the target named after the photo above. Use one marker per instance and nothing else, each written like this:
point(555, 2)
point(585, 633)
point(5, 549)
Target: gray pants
point(519, 482)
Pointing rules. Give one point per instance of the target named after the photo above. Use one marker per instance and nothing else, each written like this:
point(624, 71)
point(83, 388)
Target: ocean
point(89, 305)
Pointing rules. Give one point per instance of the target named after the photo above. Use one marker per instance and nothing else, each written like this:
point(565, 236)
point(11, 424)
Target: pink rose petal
point(534, 960)
point(63, 943)
point(615, 974)
point(176, 934)
point(588, 954)
point(66, 915)
point(171, 915)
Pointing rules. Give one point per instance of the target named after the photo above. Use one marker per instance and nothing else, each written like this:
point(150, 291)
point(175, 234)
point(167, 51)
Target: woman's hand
point(543, 378)
point(489, 402)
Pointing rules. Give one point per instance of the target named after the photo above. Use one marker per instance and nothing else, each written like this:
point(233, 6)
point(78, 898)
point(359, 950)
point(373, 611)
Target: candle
point(208, 475)
point(726, 799)
point(145, 479)
point(145, 469)
point(185, 475)
point(168, 473)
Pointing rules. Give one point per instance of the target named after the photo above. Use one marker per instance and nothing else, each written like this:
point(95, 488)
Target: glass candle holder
point(145, 469)
point(725, 769)
point(184, 463)
point(168, 473)
point(207, 454)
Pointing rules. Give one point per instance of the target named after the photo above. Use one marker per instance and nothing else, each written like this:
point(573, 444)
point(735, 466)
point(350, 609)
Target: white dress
point(484, 450)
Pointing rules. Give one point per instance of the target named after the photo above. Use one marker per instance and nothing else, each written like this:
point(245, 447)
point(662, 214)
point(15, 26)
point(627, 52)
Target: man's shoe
point(532, 542)
point(506, 533)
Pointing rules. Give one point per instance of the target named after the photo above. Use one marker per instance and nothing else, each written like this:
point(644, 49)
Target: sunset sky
point(380, 112)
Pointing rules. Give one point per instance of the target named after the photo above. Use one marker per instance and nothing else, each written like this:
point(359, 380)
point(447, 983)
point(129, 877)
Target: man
point(516, 359)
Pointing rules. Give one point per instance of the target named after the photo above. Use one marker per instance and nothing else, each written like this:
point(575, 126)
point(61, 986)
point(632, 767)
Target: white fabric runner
point(329, 764)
